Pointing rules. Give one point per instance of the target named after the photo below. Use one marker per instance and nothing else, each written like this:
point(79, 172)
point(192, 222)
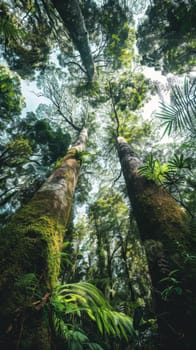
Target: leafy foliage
point(26, 37)
point(173, 288)
point(166, 36)
point(84, 298)
point(154, 170)
point(52, 141)
point(78, 340)
point(11, 100)
point(130, 91)
point(110, 23)
point(17, 152)
point(181, 114)
point(9, 28)
point(176, 176)
point(24, 159)
point(179, 162)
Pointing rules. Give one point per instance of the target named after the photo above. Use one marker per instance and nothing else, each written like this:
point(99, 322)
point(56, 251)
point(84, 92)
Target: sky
point(32, 96)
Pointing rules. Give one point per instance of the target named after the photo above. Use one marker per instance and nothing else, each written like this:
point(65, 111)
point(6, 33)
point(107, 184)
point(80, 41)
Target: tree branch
point(115, 111)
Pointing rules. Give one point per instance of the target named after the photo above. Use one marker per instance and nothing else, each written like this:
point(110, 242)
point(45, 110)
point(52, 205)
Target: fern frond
point(84, 297)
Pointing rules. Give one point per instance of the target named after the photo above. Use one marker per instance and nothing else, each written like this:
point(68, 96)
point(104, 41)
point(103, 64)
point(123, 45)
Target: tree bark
point(164, 232)
point(30, 248)
point(71, 15)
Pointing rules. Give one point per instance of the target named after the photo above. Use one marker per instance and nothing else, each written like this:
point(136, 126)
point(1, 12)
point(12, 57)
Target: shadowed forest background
point(97, 181)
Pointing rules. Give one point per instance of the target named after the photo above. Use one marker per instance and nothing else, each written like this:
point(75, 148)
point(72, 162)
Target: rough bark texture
point(30, 248)
point(164, 232)
point(73, 19)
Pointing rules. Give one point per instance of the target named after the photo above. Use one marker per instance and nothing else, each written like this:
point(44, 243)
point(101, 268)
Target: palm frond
point(180, 114)
point(179, 162)
point(84, 297)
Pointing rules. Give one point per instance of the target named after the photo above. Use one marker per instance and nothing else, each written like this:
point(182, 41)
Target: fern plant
point(72, 301)
point(180, 114)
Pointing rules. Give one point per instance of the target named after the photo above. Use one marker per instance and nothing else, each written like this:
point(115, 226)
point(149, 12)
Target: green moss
point(58, 163)
point(39, 237)
point(163, 223)
point(161, 214)
point(30, 247)
point(153, 249)
point(72, 153)
point(30, 251)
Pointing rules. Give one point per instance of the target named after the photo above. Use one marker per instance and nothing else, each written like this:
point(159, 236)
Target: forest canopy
point(97, 184)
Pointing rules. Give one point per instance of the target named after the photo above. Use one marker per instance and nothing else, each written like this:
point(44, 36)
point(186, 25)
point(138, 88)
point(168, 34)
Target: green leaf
point(154, 170)
point(84, 297)
point(75, 346)
point(180, 115)
point(178, 290)
point(94, 346)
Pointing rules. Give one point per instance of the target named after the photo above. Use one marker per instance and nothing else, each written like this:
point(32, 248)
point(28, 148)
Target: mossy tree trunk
point(164, 232)
point(73, 19)
point(30, 248)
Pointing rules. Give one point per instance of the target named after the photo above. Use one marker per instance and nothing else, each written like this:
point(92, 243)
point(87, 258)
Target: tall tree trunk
point(164, 232)
point(70, 12)
point(101, 259)
point(30, 248)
